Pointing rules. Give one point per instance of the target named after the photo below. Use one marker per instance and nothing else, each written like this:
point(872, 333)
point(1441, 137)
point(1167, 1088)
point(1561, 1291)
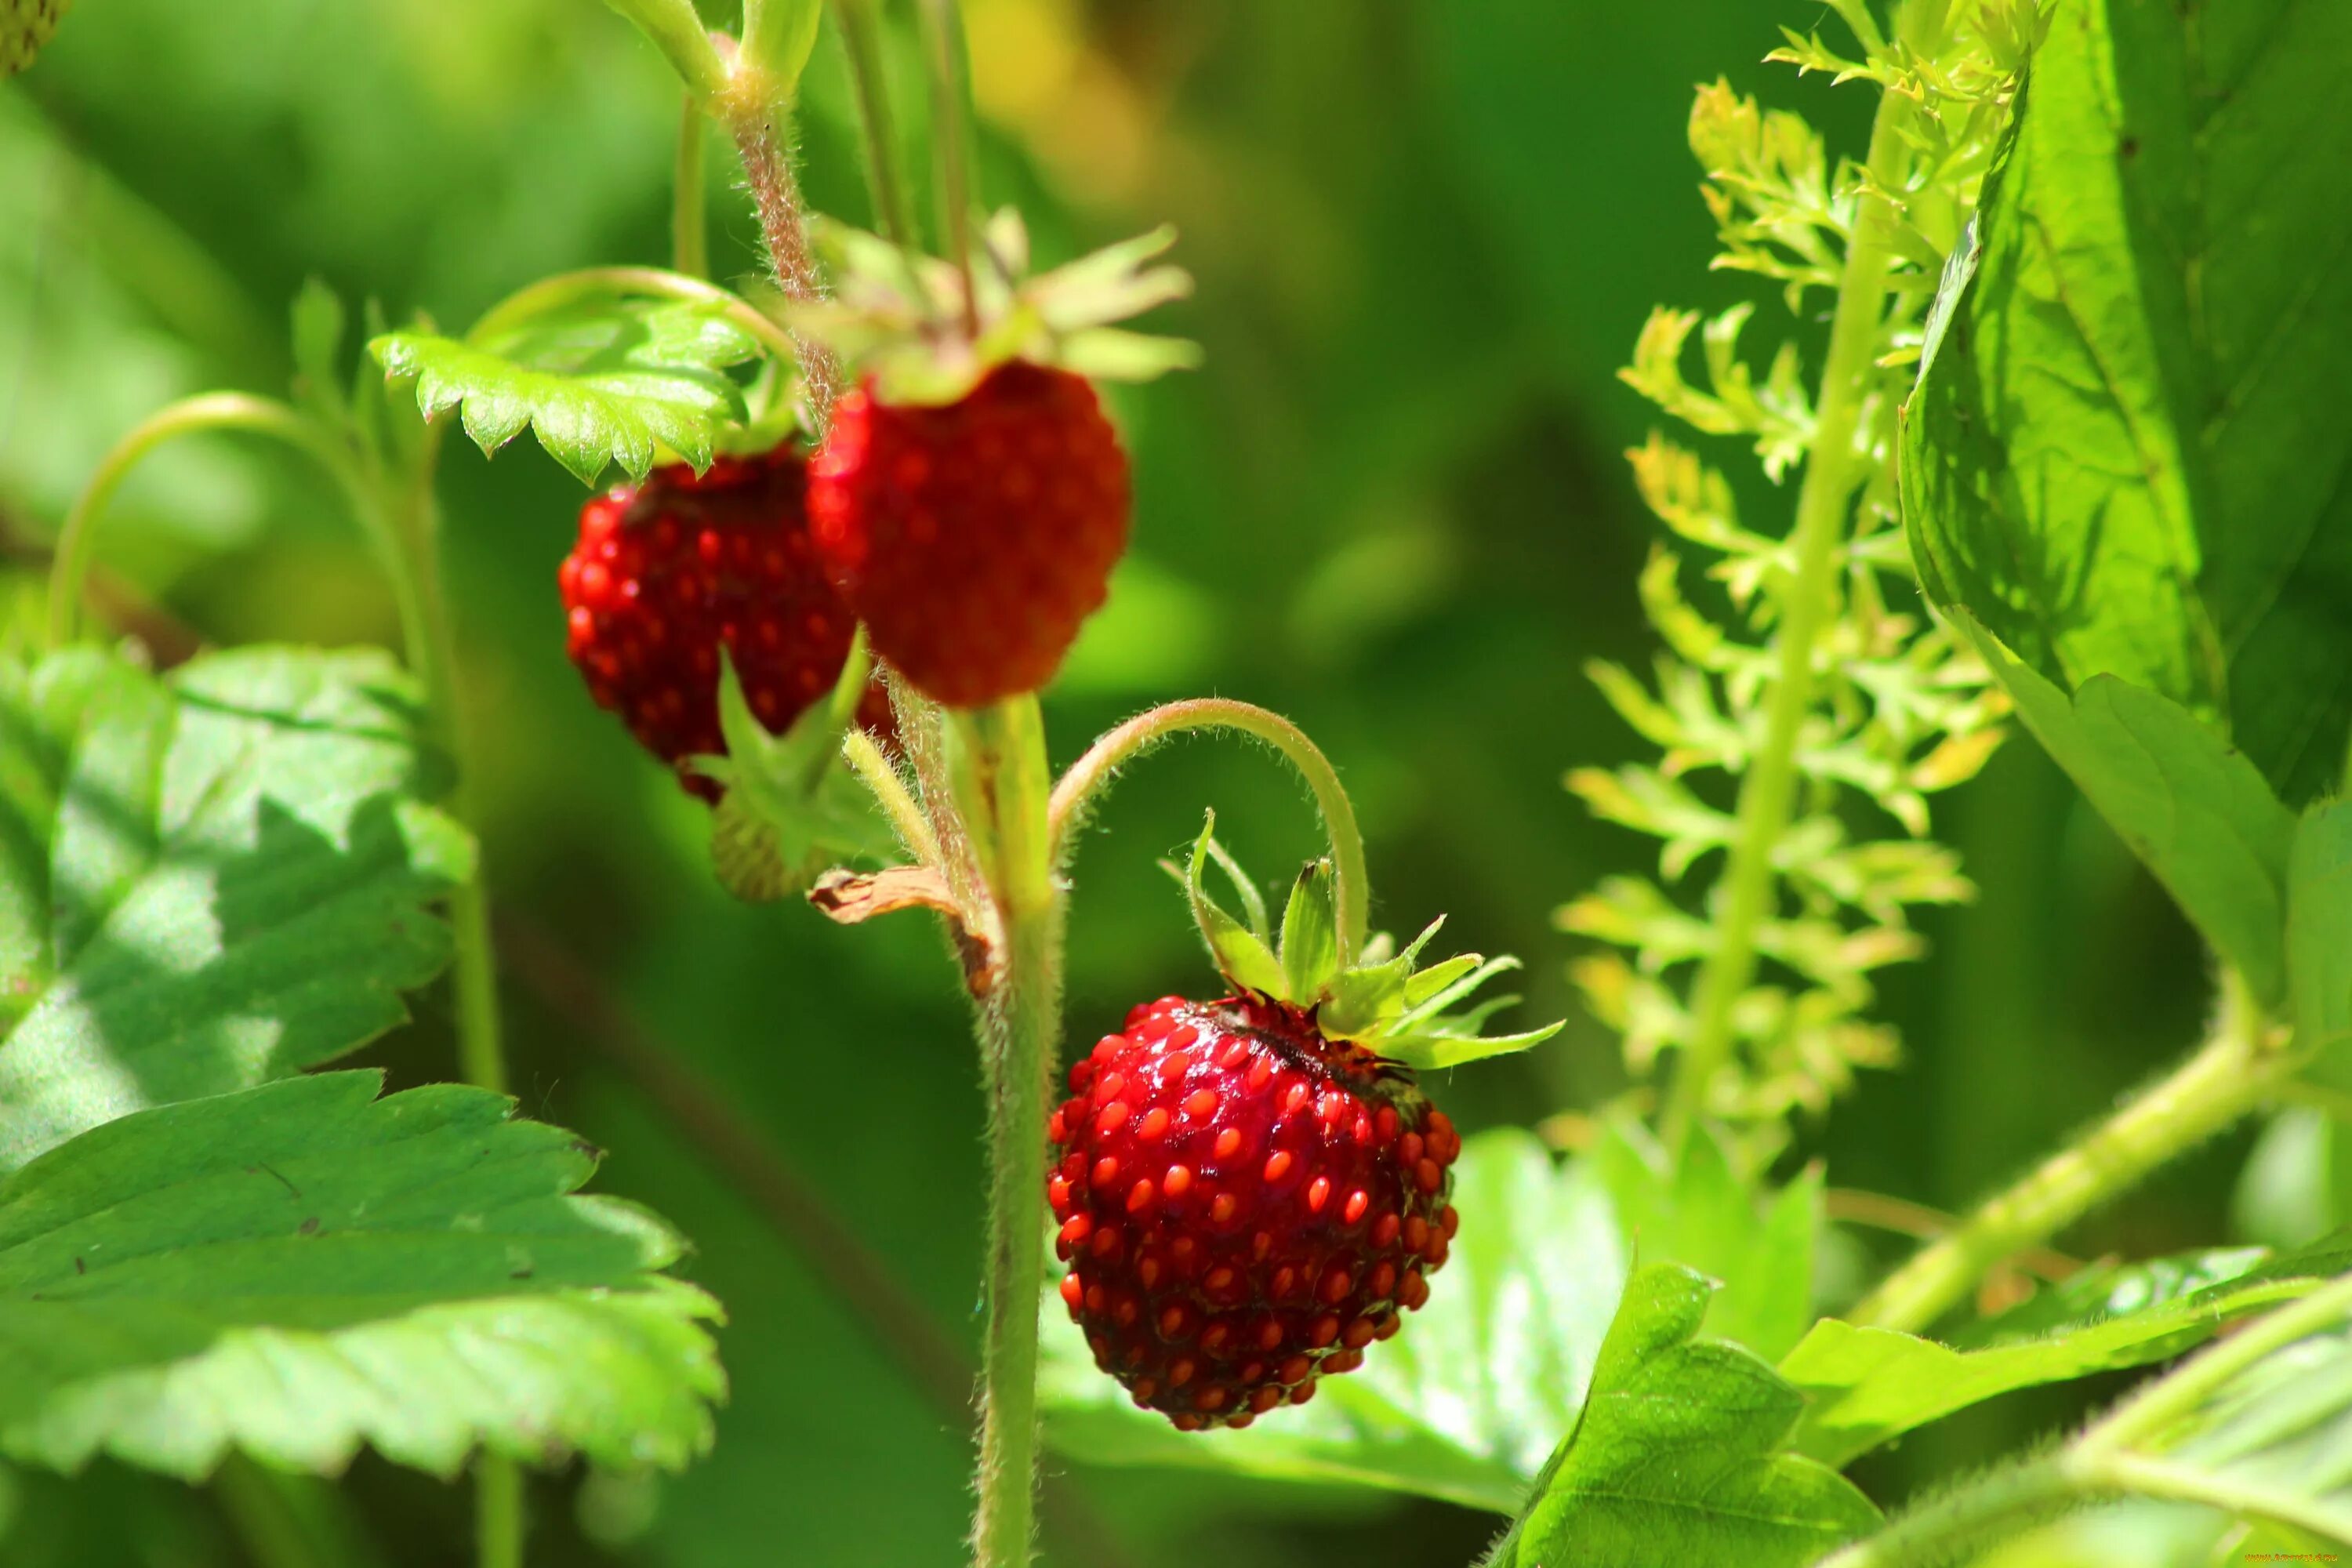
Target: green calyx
point(1386, 1001)
point(901, 319)
point(792, 808)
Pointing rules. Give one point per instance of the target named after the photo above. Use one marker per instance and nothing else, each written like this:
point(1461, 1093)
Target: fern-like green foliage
point(1899, 708)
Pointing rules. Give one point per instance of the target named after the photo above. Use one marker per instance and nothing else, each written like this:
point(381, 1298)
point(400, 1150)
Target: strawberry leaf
point(297, 1270)
point(600, 381)
point(1679, 1455)
point(207, 880)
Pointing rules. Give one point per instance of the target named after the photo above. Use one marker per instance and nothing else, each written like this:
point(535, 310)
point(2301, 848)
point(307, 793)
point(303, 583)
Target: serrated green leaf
point(2190, 806)
point(1310, 949)
point(207, 880)
point(1679, 1456)
point(2319, 937)
point(601, 381)
point(1696, 1211)
point(297, 1270)
point(1867, 1386)
point(1462, 1405)
point(2126, 453)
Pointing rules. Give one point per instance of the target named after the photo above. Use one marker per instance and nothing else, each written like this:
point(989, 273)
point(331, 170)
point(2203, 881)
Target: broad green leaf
point(2188, 802)
point(1866, 1386)
point(1462, 1405)
point(2320, 936)
point(1758, 1248)
point(601, 381)
point(297, 1270)
point(2126, 454)
point(1679, 1455)
point(207, 880)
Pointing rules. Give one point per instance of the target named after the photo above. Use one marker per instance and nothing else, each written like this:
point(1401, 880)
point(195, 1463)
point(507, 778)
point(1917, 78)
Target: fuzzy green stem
point(2235, 1070)
point(1020, 1030)
point(873, 770)
point(951, 140)
point(861, 34)
point(678, 34)
point(1957, 1526)
point(220, 410)
point(1834, 470)
point(1086, 777)
point(689, 232)
point(554, 293)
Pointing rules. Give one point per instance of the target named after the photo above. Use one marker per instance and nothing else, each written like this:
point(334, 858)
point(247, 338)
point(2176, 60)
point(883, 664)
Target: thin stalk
point(758, 123)
point(2235, 1070)
point(1087, 778)
point(498, 1513)
point(950, 140)
point(861, 35)
point(1020, 1030)
point(553, 293)
point(219, 411)
point(1834, 470)
point(689, 229)
point(873, 770)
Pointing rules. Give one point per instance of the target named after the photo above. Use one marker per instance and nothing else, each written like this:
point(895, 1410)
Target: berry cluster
point(1245, 1204)
point(668, 572)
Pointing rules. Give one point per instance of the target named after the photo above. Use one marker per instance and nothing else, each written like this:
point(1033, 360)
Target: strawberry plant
point(2049, 449)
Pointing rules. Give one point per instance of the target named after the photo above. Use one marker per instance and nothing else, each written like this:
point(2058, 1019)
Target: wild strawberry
point(1252, 1190)
point(973, 537)
point(670, 571)
point(1245, 1204)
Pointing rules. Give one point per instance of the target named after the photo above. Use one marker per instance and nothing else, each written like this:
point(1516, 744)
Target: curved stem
point(1020, 1030)
point(889, 792)
point(1833, 471)
point(2231, 1074)
point(1087, 776)
point(689, 233)
point(222, 411)
point(553, 293)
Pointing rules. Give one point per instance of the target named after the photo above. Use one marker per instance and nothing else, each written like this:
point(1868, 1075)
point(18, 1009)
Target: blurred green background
point(1391, 505)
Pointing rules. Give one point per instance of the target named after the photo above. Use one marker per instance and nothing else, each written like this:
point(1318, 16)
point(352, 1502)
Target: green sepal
point(1240, 952)
point(899, 318)
point(792, 807)
point(1310, 932)
point(1410, 1015)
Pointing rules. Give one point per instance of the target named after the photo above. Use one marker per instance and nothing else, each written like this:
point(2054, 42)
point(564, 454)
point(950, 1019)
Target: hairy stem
point(757, 120)
point(1087, 778)
point(689, 233)
point(1835, 469)
point(1020, 1028)
point(2235, 1070)
point(1955, 1527)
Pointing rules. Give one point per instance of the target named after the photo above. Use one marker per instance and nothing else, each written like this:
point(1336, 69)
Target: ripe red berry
point(973, 538)
point(670, 571)
point(1244, 1204)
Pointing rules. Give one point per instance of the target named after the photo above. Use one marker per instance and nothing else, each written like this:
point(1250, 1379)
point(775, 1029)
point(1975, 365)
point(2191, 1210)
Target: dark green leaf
point(205, 881)
point(1679, 1456)
point(1462, 1405)
point(600, 382)
point(298, 1270)
point(2126, 454)
point(2186, 802)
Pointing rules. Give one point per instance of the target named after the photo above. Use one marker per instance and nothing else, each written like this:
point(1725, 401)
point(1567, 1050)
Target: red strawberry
point(974, 536)
point(1245, 1204)
point(670, 571)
